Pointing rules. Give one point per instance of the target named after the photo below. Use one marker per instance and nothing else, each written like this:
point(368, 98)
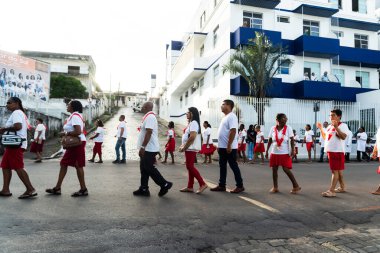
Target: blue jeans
point(322, 154)
point(251, 145)
point(224, 157)
point(120, 143)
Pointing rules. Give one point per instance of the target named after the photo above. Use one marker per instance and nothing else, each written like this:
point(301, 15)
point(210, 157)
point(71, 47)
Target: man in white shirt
point(121, 138)
point(322, 141)
point(227, 148)
point(361, 140)
point(148, 146)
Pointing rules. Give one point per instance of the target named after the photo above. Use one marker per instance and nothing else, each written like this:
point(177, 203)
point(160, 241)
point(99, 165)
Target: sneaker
point(237, 190)
point(123, 161)
point(165, 189)
point(142, 192)
point(218, 189)
point(116, 161)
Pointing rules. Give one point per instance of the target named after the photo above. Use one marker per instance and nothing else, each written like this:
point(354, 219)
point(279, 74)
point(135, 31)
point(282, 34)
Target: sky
point(126, 38)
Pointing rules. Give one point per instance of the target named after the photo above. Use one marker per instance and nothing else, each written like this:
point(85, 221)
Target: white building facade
point(339, 37)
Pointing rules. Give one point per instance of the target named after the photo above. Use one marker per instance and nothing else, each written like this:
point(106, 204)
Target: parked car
point(136, 108)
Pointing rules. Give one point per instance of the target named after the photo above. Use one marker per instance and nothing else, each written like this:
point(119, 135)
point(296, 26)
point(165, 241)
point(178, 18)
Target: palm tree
point(257, 63)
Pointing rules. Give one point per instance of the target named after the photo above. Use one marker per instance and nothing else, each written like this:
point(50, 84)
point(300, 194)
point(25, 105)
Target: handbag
point(10, 139)
point(70, 142)
point(197, 144)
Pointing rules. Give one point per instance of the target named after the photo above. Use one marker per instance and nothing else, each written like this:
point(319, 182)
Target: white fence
point(299, 112)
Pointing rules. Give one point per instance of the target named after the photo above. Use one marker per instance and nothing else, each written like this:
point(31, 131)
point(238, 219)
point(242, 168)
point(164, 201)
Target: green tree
point(257, 63)
point(63, 86)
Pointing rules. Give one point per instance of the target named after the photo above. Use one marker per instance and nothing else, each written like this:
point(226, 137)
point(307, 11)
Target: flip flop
point(274, 190)
point(339, 190)
point(328, 194)
point(2, 194)
point(27, 195)
point(375, 193)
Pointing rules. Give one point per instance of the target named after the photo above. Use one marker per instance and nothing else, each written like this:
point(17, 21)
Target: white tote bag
point(197, 144)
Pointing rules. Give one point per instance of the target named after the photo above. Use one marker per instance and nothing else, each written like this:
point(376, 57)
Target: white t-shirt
point(100, 131)
point(206, 134)
point(242, 134)
point(333, 143)
point(19, 116)
point(309, 135)
point(75, 120)
point(40, 128)
point(284, 148)
point(321, 140)
point(121, 125)
point(170, 134)
point(259, 138)
point(361, 141)
point(348, 142)
point(149, 122)
point(378, 142)
point(229, 122)
point(192, 127)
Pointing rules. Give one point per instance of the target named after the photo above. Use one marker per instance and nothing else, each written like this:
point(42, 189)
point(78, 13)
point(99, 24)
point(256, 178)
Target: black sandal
point(8, 194)
point(80, 193)
point(54, 191)
point(27, 195)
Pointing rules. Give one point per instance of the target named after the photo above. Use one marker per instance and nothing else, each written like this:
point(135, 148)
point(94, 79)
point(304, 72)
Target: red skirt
point(309, 145)
point(259, 148)
point(171, 146)
point(13, 159)
point(97, 148)
point(36, 147)
point(75, 156)
point(280, 160)
point(242, 146)
point(207, 151)
point(336, 160)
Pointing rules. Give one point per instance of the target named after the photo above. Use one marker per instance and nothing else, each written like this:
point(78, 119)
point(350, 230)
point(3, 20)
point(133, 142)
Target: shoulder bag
point(70, 142)
point(10, 139)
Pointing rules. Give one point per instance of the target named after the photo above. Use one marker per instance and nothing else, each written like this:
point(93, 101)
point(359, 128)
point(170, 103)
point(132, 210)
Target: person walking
point(191, 144)
point(309, 140)
point(170, 145)
point(38, 140)
point(281, 154)
point(361, 140)
point(251, 138)
point(376, 155)
point(74, 156)
point(348, 144)
point(259, 146)
point(242, 142)
point(296, 140)
point(335, 147)
point(98, 139)
point(148, 146)
point(121, 138)
point(322, 142)
point(208, 147)
point(227, 148)
point(13, 158)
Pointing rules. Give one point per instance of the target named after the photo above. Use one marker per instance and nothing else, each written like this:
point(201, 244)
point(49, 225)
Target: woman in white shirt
point(13, 158)
point(348, 143)
point(98, 139)
point(191, 145)
point(242, 142)
point(281, 136)
point(208, 147)
point(259, 146)
point(309, 140)
point(361, 139)
point(376, 155)
point(38, 140)
point(75, 156)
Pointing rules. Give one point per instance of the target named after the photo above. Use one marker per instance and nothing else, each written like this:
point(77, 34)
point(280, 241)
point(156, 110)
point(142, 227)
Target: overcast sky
point(125, 38)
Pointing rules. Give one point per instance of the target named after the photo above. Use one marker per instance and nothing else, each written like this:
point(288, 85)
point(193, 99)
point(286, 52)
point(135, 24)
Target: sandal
point(376, 193)
point(5, 194)
point(340, 190)
point(295, 190)
point(38, 161)
point(274, 190)
point(186, 190)
point(80, 193)
point(54, 191)
point(328, 194)
point(91, 160)
point(27, 195)
point(99, 162)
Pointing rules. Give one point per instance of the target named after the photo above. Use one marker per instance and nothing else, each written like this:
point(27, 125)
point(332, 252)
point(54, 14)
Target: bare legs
point(24, 177)
point(62, 174)
point(290, 175)
point(166, 156)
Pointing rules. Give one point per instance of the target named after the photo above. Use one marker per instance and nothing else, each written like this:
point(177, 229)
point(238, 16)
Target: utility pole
point(110, 103)
point(118, 95)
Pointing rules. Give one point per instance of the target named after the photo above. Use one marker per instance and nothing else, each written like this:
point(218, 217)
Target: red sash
point(80, 116)
point(279, 141)
point(142, 122)
point(331, 130)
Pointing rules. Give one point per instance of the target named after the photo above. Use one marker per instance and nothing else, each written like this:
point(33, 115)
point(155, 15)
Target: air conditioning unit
point(196, 85)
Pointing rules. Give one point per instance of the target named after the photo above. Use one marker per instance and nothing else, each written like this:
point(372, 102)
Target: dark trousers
point(347, 157)
point(147, 169)
point(322, 154)
point(224, 157)
point(360, 155)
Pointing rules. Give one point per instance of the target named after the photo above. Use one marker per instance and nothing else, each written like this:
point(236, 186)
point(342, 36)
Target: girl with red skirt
point(242, 142)
point(170, 145)
point(208, 147)
point(13, 158)
point(75, 156)
point(259, 146)
point(98, 139)
point(281, 136)
point(309, 139)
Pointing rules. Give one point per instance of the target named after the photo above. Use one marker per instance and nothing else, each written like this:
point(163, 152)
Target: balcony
point(319, 11)
point(267, 4)
point(243, 34)
point(355, 24)
point(316, 46)
point(359, 57)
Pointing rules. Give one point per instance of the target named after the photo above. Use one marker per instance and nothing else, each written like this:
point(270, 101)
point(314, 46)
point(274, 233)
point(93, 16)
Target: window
point(253, 20)
point(194, 87)
point(359, 6)
point(216, 74)
point(361, 41)
point(201, 83)
point(339, 74)
point(362, 78)
point(73, 70)
point(203, 19)
point(312, 70)
point(215, 34)
point(284, 68)
point(339, 34)
point(186, 97)
point(202, 50)
point(283, 19)
point(180, 102)
point(311, 28)
point(338, 3)
point(215, 3)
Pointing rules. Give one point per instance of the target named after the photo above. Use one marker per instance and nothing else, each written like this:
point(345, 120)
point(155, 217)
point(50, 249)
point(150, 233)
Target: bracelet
point(143, 147)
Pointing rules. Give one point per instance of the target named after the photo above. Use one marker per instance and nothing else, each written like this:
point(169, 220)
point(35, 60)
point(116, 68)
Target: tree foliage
point(63, 86)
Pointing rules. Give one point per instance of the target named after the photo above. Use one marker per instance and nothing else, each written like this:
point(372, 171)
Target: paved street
point(111, 219)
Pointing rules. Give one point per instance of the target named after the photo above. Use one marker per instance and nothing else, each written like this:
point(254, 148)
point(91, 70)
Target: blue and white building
point(337, 36)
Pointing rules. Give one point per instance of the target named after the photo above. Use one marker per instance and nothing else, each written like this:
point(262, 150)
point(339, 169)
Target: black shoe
point(117, 161)
point(54, 191)
point(123, 161)
point(320, 161)
point(142, 192)
point(80, 193)
point(165, 189)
